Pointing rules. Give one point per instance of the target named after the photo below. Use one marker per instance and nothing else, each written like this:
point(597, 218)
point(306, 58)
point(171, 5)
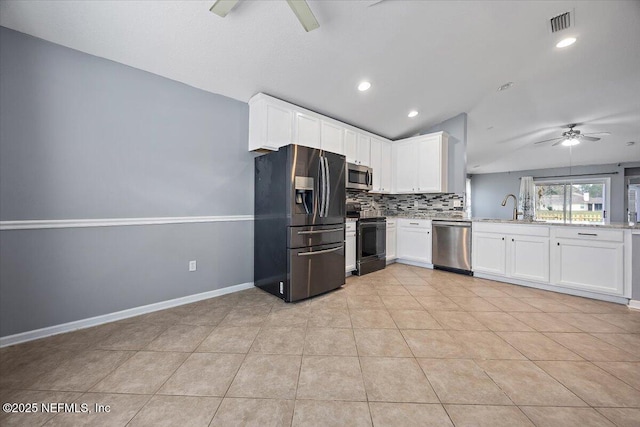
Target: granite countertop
point(616, 225)
point(408, 215)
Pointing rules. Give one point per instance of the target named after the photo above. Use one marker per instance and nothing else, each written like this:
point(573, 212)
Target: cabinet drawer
point(417, 223)
point(350, 226)
point(522, 229)
point(589, 233)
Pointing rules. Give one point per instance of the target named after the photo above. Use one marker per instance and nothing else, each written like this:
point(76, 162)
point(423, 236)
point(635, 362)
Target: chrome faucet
point(515, 205)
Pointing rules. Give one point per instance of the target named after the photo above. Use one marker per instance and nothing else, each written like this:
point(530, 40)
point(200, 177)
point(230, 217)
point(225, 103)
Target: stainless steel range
point(371, 239)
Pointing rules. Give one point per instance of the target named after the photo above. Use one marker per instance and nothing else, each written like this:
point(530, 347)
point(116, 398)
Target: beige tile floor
point(399, 347)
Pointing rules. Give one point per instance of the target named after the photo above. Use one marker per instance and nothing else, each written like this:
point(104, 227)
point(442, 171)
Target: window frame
point(606, 203)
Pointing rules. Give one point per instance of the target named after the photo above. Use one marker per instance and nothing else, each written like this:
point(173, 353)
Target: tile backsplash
point(410, 204)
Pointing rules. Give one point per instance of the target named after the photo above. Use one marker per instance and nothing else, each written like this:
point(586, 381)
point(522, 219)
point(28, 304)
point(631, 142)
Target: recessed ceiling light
point(566, 42)
point(505, 86)
point(364, 86)
point(570, 142)
point(412, 113)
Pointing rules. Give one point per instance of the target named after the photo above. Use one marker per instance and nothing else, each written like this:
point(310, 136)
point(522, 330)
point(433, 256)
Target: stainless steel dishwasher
point(451, 245)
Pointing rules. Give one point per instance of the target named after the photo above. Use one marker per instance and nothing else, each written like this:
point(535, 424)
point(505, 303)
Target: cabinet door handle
point(558, 243)
point(513, 240)
point(503, 238)
point(414, 223)
point(587, 234)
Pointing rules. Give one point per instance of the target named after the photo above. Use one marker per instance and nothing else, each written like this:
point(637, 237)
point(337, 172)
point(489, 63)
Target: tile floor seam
point(584, 357)
point(150, 396)
point(564, 385)
point(635, 387)
point(366, 392)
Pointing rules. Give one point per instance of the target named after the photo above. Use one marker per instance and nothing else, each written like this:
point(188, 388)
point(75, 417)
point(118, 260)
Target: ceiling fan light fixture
point(304, 14)
point(223, 7)
point(364, 86)
point(412, 113)
point(566, 42)
point(570, 142)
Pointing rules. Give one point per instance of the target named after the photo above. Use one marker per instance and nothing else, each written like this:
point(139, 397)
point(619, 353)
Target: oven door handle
point(320, 231)
point(324, 251)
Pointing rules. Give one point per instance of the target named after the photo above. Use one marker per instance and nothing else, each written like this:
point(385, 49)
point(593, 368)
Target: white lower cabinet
point(588, 259)
point(528, 258)
point(414, 240)
point(350, 247)
point(489, 253)
point(391, 239)
point(517, 251)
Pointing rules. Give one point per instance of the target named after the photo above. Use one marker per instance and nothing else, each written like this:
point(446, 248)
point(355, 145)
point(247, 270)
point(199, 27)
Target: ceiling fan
point(300, 8)
point(573, 137)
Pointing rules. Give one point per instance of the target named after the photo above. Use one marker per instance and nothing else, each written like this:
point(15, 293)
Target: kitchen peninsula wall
point(405, 204)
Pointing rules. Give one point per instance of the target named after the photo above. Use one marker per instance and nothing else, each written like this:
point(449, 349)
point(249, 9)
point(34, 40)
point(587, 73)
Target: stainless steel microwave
point(359, 177)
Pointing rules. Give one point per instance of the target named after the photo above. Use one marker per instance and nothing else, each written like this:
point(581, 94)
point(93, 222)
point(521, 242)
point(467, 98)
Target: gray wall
point(84, 137)
point(488, 190)
point(456, 127)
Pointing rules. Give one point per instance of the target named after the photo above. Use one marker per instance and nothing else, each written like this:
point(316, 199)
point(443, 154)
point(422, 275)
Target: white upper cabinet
point(357, 147)
point(376, 164)
point(386, 170)
point(364, 150)
point(331, 137)
point(350, 145)
point(307, 130)
point(405, 161)
point(381, 164)
point(270, 124)
point(421, 164)
point(432, 164)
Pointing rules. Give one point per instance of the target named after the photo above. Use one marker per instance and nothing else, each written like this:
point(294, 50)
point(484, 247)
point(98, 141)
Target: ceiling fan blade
point(559, 142)
point(304, 14)
point(589, 138)
point(548, 140)
point(597, 133)
point(223, 7)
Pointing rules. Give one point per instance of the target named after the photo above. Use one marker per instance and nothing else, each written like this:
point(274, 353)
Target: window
point(573, 201)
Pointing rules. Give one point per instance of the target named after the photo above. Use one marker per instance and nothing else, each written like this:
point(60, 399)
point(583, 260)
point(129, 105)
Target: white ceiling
point(438, 57)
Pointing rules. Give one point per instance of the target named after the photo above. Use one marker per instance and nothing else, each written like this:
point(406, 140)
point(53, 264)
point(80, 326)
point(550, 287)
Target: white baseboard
point(414, 263)
point(118, 315)
point(634, 304)
point(553, 288)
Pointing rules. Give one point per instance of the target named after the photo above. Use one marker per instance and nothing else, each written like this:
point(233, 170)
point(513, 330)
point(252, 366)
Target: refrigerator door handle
point(329, 230)
point(321, 186)
point(325, 251)
point(328, 187)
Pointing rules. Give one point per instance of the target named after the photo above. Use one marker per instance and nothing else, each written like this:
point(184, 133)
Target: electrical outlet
point(416, 204)
point(457, 203)
point(193, 266)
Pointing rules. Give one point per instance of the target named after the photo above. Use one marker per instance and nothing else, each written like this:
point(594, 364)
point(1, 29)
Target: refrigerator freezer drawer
point(315, 270)
point(314, 235)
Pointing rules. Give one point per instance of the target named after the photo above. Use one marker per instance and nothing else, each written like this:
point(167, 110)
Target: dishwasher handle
point(451, 224)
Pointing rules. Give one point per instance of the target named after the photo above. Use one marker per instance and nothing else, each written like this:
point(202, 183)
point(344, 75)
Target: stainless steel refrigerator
point(299, 222)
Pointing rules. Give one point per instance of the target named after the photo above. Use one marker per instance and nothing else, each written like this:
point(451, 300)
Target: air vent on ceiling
point(561, 22)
